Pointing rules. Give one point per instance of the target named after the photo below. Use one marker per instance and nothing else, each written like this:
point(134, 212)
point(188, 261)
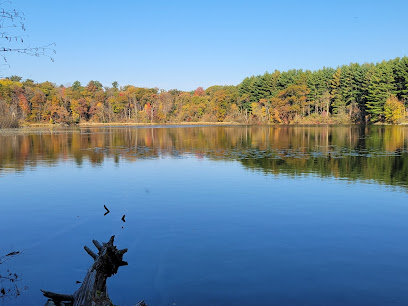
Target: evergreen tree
point(400, 71)
point(347, 88)
point(338, 104)
point(268, 85)
point(379, 89)
point(245, 90)
point(287, 78)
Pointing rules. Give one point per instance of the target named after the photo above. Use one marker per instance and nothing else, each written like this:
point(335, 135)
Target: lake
point(233, 215)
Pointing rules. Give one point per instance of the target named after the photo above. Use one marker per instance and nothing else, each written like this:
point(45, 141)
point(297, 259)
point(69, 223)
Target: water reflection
point(376, 153)
point(202, 231)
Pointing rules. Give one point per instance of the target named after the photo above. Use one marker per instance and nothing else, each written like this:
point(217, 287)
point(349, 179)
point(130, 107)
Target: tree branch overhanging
point(12, 27)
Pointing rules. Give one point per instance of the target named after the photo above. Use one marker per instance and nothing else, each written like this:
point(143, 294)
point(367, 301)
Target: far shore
point(95, 124)
point(86, 124)
point(115, 124)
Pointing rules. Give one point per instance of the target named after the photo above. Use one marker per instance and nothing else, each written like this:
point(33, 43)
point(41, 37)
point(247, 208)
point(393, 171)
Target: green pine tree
point(380, 85)
point(338, 104)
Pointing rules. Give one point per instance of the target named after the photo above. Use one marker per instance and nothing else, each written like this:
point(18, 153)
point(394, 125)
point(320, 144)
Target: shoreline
point(91, 124)
point(139, 124)
point(97, 124)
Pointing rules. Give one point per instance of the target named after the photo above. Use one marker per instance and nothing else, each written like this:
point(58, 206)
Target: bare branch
point(110, 242)
point(11, 26)
point(11, 289)
point(7, 257)
point(123, 251)
point(90, 252)
point(98, 245)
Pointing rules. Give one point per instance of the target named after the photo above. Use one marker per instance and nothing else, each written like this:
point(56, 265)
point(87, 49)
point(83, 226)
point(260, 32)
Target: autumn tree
point(37, 105)
point(199, 92)
point(352, 93)
point(394, 110)
point(295, 97)
point(57, 112)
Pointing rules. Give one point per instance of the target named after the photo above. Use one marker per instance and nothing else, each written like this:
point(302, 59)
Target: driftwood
point(93, 290)
point(107, 210)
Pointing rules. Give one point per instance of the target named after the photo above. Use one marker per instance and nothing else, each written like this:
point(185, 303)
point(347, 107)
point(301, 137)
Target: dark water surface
point(214, 215)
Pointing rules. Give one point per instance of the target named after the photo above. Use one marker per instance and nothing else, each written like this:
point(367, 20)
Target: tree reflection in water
point(376, 153)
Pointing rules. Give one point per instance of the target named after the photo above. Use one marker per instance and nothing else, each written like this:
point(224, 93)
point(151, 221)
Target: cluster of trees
point(352, 93)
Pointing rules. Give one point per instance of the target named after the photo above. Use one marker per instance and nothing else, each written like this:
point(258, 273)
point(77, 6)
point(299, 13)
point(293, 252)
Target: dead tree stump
point(93, 290)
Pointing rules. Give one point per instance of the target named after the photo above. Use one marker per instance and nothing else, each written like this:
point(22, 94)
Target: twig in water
point(107, 210)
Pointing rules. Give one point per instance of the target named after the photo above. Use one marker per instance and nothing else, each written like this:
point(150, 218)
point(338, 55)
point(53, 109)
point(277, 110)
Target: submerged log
point(93, 290)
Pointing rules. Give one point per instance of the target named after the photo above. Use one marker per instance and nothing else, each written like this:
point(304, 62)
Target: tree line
point(354, 93)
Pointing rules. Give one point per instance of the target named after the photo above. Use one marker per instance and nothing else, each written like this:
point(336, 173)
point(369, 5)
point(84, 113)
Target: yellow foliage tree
point(394, 110)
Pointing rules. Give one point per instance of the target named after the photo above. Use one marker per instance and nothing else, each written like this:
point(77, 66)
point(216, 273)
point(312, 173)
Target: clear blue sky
point(186, 44)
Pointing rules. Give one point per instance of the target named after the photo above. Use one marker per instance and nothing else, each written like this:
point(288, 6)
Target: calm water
point(214, 215)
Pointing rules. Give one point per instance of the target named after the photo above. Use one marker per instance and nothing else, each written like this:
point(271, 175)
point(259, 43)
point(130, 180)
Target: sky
point(187, 44)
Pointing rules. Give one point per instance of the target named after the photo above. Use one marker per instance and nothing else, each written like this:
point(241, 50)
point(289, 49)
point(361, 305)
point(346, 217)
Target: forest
point(355, 93)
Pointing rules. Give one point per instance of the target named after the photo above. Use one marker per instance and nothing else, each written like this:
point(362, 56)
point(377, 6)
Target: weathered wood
point(52, 303)
point(93, 289)
point(90, 252)
point(107, 210)
point(57, 296)
point(98, 245)
point(123, 251)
